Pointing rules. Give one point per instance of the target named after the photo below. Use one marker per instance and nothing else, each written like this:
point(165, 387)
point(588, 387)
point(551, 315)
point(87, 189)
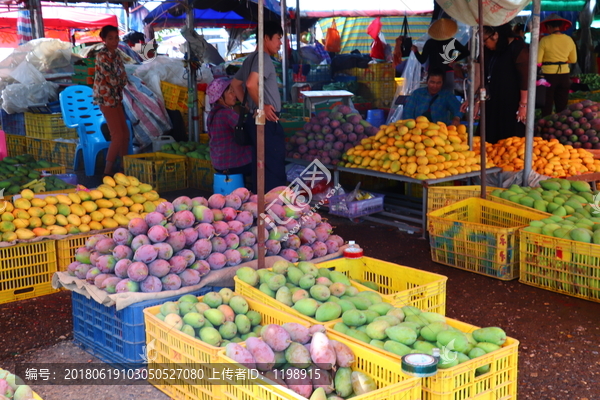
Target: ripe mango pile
point(550, 157)
point(416, 148)
point(111, 205)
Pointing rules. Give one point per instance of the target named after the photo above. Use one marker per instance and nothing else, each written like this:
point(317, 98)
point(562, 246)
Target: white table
point(312, 97)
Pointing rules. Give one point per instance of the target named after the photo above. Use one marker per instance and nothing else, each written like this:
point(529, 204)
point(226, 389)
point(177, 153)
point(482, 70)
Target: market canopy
point(361, 8)
point(161, 18)
point(58, 21)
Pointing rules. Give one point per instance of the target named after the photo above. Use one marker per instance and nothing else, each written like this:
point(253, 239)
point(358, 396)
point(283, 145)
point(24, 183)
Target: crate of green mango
point(563, 254)
point(301, 290)
point(555, 196)
point(480, 236)
point(475, 363)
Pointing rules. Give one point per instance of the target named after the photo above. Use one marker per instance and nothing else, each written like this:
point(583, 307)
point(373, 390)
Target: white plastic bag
point(27, 74)
point(412, 74)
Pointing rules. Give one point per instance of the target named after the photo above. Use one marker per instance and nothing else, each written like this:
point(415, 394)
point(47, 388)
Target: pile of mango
point(560, 197)
point(109, 206)
point(23, 171)
point(199, 151)
point(416, 148)
point(550, 157)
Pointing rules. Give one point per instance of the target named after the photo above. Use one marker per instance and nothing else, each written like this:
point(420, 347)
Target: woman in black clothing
point(442, 50)
point(506, 74)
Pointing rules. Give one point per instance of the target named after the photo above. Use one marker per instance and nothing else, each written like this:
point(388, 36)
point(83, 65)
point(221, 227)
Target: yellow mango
point(121, 190)
point(22, 203)
point(61, 220)
point(420, 153)
point(20, 223)
point(83, 195)
point(394, 166)
point(107, 212)
point(121, 219)
point(104, 203)
point(75, 199)
point(149, 206)
point(127, 202)
point(137, 208)
point(84, 228)
point(36, 211)
point(85, 219)
point(8, 206)
point(58, 230)
point(116, 203)
point(89, 206)
point(38, 231)
point(78, 210)
point(36, 202)
point(131, 215)
point(109, 223)
point(35, 222)
point(62, 199)
point(6, 216)
point(133, 181)
point(95, 194)
point(121, 179)
point(107, 192)
point(96, 216)
point(95, 225)
point(411, 168)
point(108, 180)
point(74, 219)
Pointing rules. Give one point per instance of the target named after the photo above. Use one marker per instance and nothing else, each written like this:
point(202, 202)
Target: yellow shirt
point(557, 47)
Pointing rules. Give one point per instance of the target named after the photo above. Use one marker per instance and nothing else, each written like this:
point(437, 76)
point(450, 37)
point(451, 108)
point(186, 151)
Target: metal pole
point(471, 95)
point(284, 61)
point(482, 96)
point(193, 126)
point(260, 139)
point(531, 87)
point(37, 19)
point(298, 30)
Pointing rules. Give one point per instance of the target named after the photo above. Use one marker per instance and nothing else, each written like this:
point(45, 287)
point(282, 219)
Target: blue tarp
point(208, 17)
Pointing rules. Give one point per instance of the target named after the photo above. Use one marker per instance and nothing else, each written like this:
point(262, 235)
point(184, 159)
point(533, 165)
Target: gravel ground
point(559, 353)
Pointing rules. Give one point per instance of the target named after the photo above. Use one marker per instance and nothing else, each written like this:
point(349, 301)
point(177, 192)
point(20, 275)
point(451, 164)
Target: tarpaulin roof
point(63, 17)
point(362, 8)
point(561, 5)
point(353, 31)
point(162, 18)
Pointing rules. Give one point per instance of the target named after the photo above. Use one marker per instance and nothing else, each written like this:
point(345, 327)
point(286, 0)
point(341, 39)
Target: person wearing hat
point(226, 156)
point(442, 50)
point(556, 51)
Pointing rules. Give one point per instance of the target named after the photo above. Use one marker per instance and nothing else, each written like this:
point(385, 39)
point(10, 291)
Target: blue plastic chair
point(79, 111)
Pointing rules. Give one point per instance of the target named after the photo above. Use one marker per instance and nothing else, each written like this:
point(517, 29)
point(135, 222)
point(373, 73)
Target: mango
point(328, 311)
point(402, 334)
point(211, 336)
point(493, 335)
point(306, 307)
point(337, 276)
point(340, 327)
point(267, 290)
point(581, 235)
point(431, 331)
point(247, 275)
point(294, 275)
point(214, 316)
point(22, 203)
point(376, 329)
point(343, 382)
point(358, 335)
point(396, 348)
point(449, 360)
point(307, 281)
point(424, 347)
point(127, 202)
point(83, 195)
point(454, 340)
point(297, 355)
point(62, 199)
point(581, 186)
point(381, 308)
point(319, 292)
point(36, 202)
point(377, 343)
point(239, 305)
point(550, 185)
point(360, 303)
point(144, 187)
point(24, 234)
point(138, 199)
point(354, 318)
point(35, 222)
point(488, 347)
point(94, 225)
point(362, 383)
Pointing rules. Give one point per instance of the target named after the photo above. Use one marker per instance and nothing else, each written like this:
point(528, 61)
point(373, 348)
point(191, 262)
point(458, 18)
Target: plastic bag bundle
point(412, 74)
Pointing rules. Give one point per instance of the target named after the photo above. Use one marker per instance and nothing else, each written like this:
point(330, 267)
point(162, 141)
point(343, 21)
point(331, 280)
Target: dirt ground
point(559, 353)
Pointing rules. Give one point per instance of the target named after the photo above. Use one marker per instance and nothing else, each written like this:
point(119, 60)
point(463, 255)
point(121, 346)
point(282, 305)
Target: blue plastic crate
point(115, 337)
point(13, 124)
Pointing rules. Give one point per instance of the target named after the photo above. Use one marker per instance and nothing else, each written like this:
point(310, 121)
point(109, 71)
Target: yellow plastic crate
point(63, 153)
point(173, 346)
point(40, 149)
point(480, 236)
point(253, 293)
point(392, 383)
point(35, 395)
point(560, 265)
point(203, 138)
point(401, 285)
point(200, 174)
point(165, 172)
point(500, 200)
point(16, 145)
point(26, 270)
point(176, 97)
point(53, 170)
point(65, 248)
point(442, 196)
point(48, 126)
point(460, 382)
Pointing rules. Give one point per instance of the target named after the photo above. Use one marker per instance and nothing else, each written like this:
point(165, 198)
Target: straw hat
point(566, 24)
point(443, 29)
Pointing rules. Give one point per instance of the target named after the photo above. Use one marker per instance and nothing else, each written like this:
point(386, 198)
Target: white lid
point(351, 242)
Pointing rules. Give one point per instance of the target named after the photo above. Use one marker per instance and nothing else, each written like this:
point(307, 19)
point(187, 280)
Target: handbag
point(406, 39)
point(333, 41)
point(240, 136)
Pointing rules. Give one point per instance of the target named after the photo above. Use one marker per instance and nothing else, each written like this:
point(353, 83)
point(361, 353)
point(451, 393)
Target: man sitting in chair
point(433, 102)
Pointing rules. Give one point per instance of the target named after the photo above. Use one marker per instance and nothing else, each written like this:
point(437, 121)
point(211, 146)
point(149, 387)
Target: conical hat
point(443, 29)
point(566, 24)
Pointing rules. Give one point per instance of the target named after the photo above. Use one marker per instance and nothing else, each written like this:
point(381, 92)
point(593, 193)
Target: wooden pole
point(260, 139)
